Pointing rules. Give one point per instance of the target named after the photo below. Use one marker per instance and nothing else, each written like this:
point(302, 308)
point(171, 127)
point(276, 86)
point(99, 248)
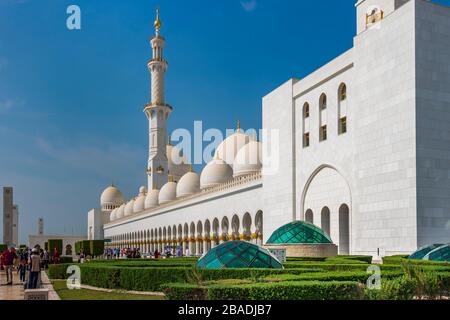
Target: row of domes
point(238, 155)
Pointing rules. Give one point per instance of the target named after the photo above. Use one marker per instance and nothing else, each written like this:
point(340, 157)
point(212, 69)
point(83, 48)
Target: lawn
point(83, 294)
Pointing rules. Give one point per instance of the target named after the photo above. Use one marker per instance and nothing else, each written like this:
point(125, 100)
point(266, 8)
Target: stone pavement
point(16, 291)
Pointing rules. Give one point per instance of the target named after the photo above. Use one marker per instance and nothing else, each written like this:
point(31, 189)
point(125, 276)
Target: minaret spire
point(157, 112)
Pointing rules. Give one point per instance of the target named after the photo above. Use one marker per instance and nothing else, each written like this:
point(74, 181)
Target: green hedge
point(308, 290)
point(66, 260)
point(97, 247)
point(55, 243)
point(151, 278)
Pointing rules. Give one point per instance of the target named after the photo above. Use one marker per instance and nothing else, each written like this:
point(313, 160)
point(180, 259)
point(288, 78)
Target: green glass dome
point(422, 252)
point(439, 254)
point(299, 232)
point(238, 254)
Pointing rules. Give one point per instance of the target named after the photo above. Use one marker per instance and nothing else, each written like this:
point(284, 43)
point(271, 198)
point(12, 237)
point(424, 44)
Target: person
point(55, 256)
point(157, 254)
point(188, 254)
point(22, 270)
point(35, 269)
point(45, 259)
point(9, 258)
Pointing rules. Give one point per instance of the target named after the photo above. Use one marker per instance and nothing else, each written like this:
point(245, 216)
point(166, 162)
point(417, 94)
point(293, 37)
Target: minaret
point(157, 112)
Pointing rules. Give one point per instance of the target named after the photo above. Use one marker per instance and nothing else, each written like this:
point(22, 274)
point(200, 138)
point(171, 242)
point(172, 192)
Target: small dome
point(111, 198)
point(299, 232)
point(215, 173)
point(139, 204)
point(248, 159)
point(189, 184)
point(238, 255)
point(129, 208)
point(112, 216)
point(230, 147)
point(142, 190)
point(152, 199)
point(422, 252)
point(168, 193)
point(120, 213)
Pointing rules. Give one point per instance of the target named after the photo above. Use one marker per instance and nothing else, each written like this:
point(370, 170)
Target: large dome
point(299, 232)
point(215, 173)
point(120, 213)
point(230, 147)
point(111, 198)
point(238, 255)
point(152, 199)
point(189, 184)
point(139, 203)
point(168, 193)
point(248, 159)
point(129, 208)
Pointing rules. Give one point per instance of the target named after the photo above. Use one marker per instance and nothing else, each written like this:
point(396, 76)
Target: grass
point(83, 294)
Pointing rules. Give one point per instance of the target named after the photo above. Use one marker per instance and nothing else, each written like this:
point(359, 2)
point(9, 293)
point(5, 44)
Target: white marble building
point(365, 153)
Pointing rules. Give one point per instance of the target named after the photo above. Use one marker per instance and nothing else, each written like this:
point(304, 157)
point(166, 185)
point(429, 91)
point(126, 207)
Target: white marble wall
point(433, 122)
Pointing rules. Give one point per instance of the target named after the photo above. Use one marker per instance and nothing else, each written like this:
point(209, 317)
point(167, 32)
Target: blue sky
point(71, 119)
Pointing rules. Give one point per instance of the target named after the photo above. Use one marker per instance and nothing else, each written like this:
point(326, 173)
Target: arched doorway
point(344, 229)
point(325, 220)
point(309, 216)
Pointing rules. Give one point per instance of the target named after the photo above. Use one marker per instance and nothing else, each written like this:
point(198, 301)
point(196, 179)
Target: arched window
point(342, 109)
point(323, 117)
point(309, 216)
point(306, 135)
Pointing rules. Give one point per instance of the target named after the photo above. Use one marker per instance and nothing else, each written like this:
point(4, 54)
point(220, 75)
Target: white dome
point(216, 172)
point(248, 159)
point(229, 147)
point(139, 204)
point(189, 184)
point(142, 190)
point(168, 193)
point(111, 198)
point(120, 213)
point(112, 216)
point(129, 208)
point(152, 199)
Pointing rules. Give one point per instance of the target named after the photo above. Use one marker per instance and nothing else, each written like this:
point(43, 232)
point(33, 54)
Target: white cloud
point(249, 6)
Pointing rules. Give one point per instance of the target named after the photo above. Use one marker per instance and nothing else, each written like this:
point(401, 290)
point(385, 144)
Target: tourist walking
point(35, 269)
point(9, 258)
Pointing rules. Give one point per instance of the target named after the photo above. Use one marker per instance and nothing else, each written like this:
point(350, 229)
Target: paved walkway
point(16, 291)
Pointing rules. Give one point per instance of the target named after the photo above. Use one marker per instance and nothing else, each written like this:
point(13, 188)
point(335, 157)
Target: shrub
point(394, 259)
point(310, 290)
point(64, 260)
point(54, 243)
point(96, 247)
point(184, 291)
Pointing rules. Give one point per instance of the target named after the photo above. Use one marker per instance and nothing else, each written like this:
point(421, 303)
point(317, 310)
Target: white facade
point(68, 242)
point(364, 150)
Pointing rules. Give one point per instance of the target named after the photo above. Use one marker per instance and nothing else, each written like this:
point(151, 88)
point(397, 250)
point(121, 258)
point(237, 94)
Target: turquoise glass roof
point(299, 232)
point(238, 254)
point(422, 252)
point(439, 254)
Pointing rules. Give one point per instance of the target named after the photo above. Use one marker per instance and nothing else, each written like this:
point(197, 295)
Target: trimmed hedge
point(66, 260)
point(55, 243)
point(308, 290)
point(151, 278)
point(96, 247)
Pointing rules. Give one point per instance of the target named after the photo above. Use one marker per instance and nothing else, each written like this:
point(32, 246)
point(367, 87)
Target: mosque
point(364, 153)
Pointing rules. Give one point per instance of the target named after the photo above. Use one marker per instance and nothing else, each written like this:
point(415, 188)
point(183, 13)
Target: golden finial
point(190, 168)
point(170, 178)
point(158, 22)
point(239, 124)
point(169, 140)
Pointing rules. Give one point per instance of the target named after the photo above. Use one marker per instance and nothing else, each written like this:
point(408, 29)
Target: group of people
point(24, 261)
point(135, 253)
